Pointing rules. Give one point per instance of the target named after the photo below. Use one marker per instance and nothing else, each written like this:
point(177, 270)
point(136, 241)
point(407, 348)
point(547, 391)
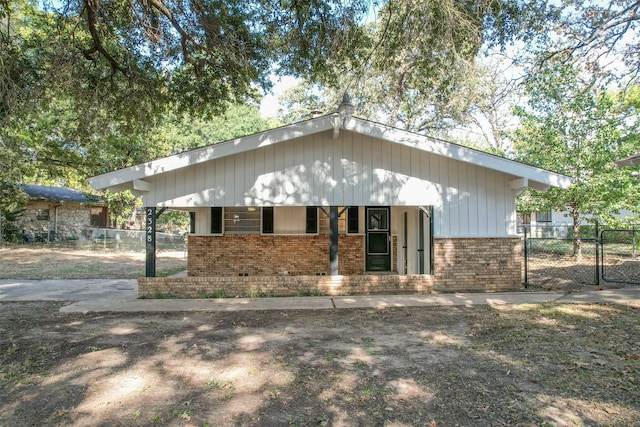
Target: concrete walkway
point(121, 296)
point(68, 290)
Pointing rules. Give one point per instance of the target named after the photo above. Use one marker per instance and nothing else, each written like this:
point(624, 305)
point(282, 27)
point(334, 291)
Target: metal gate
point(620, 262)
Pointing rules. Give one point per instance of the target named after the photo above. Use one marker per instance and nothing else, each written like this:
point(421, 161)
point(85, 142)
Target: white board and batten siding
point(351, 170)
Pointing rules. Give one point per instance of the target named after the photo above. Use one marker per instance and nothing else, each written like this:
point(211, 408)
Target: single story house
point(338, 205)
point(57, 213)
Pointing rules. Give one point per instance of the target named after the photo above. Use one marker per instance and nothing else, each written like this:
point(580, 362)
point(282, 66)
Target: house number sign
point(151, 224)
point(150, 231)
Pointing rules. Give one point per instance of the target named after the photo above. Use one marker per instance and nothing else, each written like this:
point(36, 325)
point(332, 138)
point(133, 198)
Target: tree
point(604, 34)
point(148, 55)
point(83, 82)
point(416, 68)
point(578, 128)
point(186, 132)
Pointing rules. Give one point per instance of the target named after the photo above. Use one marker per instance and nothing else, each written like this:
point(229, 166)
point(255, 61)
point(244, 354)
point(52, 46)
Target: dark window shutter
point(216, 220)
point(312, 219)
point(352, 218)
point(192, 222)
point(267, 220)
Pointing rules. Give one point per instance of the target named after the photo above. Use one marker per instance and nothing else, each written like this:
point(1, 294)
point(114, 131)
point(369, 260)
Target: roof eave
point(125, 178)
point(211, 152)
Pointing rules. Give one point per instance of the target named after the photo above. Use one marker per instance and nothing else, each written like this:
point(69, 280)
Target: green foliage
point(220, 293)
point(12, 202)
point(85, 86)
point(173, 221)
point(186, 132)
point(575, 127)
point(121, 206)
point(309, 292)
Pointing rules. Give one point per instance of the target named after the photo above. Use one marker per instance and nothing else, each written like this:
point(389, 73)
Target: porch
point(461, 265)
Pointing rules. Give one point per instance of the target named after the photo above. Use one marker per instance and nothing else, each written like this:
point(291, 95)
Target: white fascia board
point(141, 185)
point(212, 152)
point(629, 161)
point(537, 178)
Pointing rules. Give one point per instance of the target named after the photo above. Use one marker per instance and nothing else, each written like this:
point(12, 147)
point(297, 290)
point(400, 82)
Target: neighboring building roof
point(133, 177)
point(57, 194)
point(629, 161)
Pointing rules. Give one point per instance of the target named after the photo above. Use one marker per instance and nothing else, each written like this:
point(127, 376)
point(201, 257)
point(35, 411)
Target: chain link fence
point(621, 255)
point(94, 238)
point(557, 259)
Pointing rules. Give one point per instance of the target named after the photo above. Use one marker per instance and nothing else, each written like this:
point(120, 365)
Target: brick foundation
point(215, 262)
point(199, 287)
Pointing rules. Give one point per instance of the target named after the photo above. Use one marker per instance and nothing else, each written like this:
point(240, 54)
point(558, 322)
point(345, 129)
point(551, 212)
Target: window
point(216, 220)
point(192, 222)
point(353, 226)
point(98, 216)
point(543, 216)
point(42, 214)
point(312, 219)
point(242, 220)
point(267, 220)
point(378, 219)
point(325, 222)
point(523, 218)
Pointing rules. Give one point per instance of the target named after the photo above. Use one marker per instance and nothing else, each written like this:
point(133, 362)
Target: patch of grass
point(23, 371)
point(162, 295)
point(169, 271)
point(308, 292)
point(258, 294)
point(217, 385)
point(297, 421)
point(220, 293)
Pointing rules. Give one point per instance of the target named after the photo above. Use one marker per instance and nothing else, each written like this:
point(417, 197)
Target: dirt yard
point(58, 262)
point(526, 365)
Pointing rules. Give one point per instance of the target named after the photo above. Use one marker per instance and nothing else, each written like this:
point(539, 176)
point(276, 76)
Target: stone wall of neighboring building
point(43, 221)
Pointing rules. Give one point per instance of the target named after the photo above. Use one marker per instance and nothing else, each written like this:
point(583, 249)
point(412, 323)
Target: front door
point(378, 236)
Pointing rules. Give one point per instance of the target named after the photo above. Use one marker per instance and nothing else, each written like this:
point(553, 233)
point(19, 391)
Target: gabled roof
point(133, 177)
point(57, 194)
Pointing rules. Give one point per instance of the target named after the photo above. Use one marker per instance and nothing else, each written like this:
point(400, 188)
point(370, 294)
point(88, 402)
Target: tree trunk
point(577, 242)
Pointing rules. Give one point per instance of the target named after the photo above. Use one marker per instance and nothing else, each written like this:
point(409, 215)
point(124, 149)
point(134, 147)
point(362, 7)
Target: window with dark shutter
point(216, 220)
point(312, 219)
point(267, 220)
point(352, 220)
point(192, 222)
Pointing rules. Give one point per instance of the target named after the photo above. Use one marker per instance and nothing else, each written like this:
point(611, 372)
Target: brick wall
point(199, 287)
point(478, 264)
point(264, 255)
point(460, 265)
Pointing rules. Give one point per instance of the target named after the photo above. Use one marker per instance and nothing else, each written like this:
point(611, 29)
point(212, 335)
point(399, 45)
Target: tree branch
point(184, 37)
point(92, 21)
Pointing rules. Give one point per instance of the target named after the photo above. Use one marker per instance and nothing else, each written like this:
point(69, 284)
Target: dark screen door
point(378, 239)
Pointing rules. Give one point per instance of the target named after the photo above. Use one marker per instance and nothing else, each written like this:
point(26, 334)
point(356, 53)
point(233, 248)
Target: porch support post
point(333, 240)
point(150, 238)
